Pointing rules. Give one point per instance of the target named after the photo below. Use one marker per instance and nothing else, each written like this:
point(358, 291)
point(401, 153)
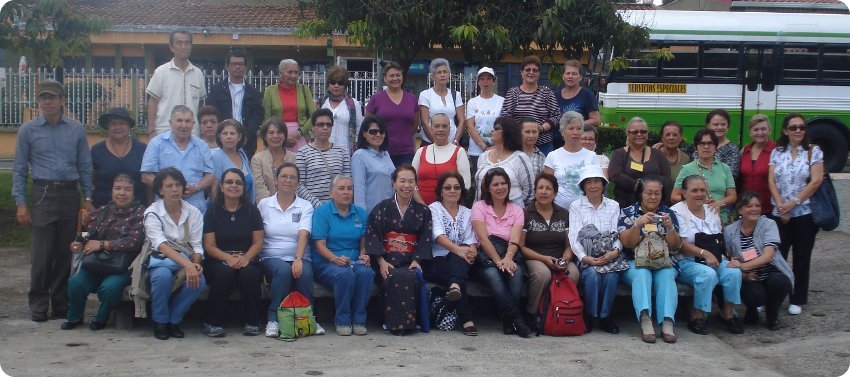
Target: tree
point(485, 30)
point(47, 30)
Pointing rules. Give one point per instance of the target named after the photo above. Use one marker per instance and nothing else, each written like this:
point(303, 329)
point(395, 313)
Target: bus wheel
point(833, 144)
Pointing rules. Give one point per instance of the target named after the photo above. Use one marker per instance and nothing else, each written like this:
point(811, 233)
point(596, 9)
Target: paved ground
point(816, 343)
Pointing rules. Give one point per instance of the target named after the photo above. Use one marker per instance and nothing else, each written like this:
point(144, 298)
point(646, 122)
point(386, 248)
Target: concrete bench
point(123, 316)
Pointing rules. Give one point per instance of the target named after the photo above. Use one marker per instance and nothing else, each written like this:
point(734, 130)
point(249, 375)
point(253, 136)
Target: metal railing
point(92, 92)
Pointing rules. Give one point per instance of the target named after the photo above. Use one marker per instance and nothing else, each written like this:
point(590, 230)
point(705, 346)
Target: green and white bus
point(746, 63)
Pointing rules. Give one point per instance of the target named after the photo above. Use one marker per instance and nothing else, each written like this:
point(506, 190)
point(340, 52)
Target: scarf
point(352, 117)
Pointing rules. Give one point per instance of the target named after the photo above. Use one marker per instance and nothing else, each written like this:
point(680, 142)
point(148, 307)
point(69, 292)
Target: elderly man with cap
point(119, 153)
point(54, 147)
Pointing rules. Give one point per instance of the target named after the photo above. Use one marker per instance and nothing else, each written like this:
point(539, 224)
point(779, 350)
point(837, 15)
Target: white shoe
point(360, 330)
point(760, 309)
point(272, 329)
point(794, 309)
point(343, 330)
point(319, 329)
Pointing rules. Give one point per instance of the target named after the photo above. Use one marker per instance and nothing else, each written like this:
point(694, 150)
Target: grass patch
point(12, 234)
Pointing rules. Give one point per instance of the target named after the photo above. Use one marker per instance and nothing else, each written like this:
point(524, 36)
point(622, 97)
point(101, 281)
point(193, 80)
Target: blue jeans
point(645, 282)
point(507, 289)
point(170, 307)
point(704, 278)
point(279, 274)
point(352, 286)
point(598, 286)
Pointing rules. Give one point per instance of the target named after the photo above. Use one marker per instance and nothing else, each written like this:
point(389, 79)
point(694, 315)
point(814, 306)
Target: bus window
point(800, 63)
point(685, 62)
point(720, 62)
point(768, 71)
point(753, 67)
point(835, 64)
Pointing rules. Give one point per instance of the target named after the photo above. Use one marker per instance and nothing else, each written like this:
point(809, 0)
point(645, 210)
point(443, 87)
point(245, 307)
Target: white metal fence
point(92, 92)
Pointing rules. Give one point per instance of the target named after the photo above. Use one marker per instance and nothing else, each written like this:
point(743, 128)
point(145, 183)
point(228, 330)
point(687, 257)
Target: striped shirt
point(317, 168)
point(237, 94)
point(766, 270)
point(539, 105)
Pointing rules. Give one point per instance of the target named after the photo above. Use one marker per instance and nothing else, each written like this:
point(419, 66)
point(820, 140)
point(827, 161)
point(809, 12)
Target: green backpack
point(295, 317)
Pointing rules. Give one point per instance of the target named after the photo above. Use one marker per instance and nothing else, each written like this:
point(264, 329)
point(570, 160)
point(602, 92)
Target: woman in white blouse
point(699, 267)
point(795, 174)
point(172, 224)
point(507, 154)
point(454, 248)
point(599, 276)
point(287, 221)
point(348, 114)
point(440, 99)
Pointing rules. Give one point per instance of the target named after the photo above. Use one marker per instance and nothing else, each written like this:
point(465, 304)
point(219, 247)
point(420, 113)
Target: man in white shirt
point(177, 82)
point(236, 99)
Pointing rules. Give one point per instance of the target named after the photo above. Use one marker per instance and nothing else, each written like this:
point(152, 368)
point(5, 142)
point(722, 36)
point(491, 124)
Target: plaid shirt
point(537, 158)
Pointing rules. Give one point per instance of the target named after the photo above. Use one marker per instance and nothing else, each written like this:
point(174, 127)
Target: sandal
point(470, 330)
point(453, 294)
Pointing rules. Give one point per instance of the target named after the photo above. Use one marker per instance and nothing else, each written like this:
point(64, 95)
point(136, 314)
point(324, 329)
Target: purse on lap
point(652, 252)
point(597, 244)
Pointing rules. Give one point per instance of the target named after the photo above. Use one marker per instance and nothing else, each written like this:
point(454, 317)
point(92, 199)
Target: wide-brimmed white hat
point(592, 171)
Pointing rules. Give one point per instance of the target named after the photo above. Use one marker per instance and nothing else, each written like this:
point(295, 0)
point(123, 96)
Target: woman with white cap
point(481, 113)
point(593, 222)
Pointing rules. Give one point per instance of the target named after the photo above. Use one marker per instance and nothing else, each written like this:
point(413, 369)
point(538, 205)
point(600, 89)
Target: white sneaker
point(360, 330)
point(272, 329)
point(794, 309)
point(760, 309)
point(319, 329)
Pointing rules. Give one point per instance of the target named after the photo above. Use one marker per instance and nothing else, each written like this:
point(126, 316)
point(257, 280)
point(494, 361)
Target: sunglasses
point(234, 182)
point(638, 132)
point(323, 124)
point(450, 188)
point(531, 70)
point(796, 128)
point(337, 82)
point(375, 131)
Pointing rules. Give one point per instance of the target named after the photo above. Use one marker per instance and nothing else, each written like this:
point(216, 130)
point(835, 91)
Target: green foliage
point(47, 30)
point(13, 234)
point(484, 31)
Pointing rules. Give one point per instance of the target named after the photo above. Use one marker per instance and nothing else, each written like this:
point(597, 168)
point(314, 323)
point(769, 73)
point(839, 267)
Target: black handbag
point(713, 243)
point(824, 202)
point(104, 262)
point(501, 247)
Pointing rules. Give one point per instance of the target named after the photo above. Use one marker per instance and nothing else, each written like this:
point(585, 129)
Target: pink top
point(497, 226)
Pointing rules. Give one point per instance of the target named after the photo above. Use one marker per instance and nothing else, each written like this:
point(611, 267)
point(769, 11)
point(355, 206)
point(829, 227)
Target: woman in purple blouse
point(400, 110)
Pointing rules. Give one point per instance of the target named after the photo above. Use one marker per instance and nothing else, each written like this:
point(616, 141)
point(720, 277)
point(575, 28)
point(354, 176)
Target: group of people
point(342, 198)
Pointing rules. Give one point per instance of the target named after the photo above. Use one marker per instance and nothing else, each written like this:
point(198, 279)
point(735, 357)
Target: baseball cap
point(51, 87)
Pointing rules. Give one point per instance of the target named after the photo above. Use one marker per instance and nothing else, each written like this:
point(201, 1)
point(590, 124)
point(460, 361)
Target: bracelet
point(297, 257)
point(701, 251)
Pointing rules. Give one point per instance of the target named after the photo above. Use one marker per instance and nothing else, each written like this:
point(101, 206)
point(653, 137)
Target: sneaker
point(272, 329)
point(319, 329)
point(360, 330)
point(794, 309)
point(213, 331)
point(761, 309)
point(251, 330)
point(342, 330)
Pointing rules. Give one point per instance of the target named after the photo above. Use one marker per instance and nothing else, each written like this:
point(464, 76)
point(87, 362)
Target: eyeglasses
point(323, 124)
point(796, 128)
point(638, 132)
point(337, 82)
point(450, 188)
point(706, 144)
point(497, 127)
point(233, 182)
point(531, 70)
point(375, 131)
point(288, 177)
point(588, 139)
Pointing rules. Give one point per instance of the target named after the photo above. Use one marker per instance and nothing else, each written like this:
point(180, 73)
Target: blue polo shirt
point(342, 233)
point(162, 152)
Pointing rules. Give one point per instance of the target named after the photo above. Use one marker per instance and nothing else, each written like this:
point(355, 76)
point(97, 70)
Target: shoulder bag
point(652, 252)
point(824, 202)
point(104, 262)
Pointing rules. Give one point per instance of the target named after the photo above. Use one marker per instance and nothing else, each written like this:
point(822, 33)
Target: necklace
point(123, 153)
point(233, 213)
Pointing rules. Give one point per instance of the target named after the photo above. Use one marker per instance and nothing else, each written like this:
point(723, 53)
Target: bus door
point(759, 89)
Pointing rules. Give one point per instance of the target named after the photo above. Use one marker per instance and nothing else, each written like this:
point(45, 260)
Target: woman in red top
point(755, 158)
point(433, 160)
point(292, 103)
